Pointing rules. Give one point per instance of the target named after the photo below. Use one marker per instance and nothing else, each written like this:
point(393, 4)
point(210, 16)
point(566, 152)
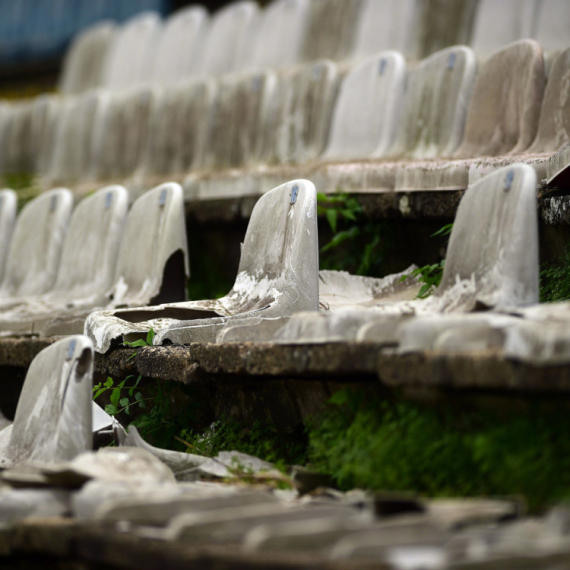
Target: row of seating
point(242, 37)
point(401, 121)
point(59, 261)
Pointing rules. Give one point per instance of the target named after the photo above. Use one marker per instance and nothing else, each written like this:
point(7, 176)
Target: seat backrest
point(83, 63)
point(280, 253)
point(228, 39)
point(554, 124)
point(178, 128)
point(281, 34)
point(386, 25)
point(236, 127)
point(331, 29)
point(505, 104)
point(153, 257)
point(179, 47)
point(45, 116)
point(89, 256)
point(367, 109)
point(8, 211)
point(120, 136)
point(500, 23)
point(437, 98)
point(73, 140)
point(130, 54)
point(297, 129)
point(553, 25)
point(35, 249)
point(53, 416)
point(492, 257)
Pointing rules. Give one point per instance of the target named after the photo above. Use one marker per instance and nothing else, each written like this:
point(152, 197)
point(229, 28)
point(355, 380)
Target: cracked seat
point(277, 276)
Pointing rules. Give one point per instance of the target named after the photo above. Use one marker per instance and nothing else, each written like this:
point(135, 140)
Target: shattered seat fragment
point(277, 276)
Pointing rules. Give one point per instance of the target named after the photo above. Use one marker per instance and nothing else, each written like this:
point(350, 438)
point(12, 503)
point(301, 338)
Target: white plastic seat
point(35, 249)
point(129, 55)
point(277, 276)
point(72, 154)
point(179, 47)
point(368, 108)
point(87, 266)
point(282, 32)
point(8, 211)
point(230, 38)
point(297, 129)
point(500, 23)
point(386, 25)
point(552, 30)
point(83, 63)
point(502, 118)
point(53, 416)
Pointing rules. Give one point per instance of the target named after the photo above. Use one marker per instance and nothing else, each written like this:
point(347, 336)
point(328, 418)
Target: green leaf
point(109, 382)
point(339, 398)
point(136, 343)
point(322, 197)
point(349, 215)
point(99, 392)
point(124, 402)
point(150, 337)
point(115, 397)
point(111, 410)
point(138, 396)
point(444, 231)
point(332, 219)
point(341, 237)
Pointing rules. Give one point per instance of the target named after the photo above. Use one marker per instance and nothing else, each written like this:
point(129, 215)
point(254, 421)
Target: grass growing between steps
point(401, 446)
point(555, 281)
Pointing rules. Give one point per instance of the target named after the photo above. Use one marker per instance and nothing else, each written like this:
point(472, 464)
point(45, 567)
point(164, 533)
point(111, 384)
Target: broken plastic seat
point(502, 118)
point(86, 270)
point(53, 416)
point(152, 264)
point(33, 256)
point(491, 264)
point(277, 276)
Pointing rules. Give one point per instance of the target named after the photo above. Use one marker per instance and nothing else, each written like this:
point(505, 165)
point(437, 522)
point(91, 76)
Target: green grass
point(555, 281)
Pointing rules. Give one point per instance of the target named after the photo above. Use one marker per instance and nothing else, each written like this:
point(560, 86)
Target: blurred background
point(34, 35)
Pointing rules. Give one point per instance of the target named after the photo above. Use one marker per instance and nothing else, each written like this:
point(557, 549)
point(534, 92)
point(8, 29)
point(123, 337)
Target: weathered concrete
point(8, 209)
point(552, 25)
